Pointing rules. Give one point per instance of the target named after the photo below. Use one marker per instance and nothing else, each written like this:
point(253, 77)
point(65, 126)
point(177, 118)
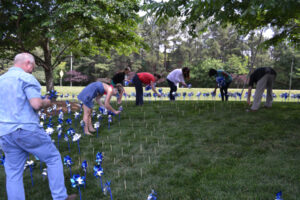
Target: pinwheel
point(109, 120)
point(98, 172)
point(30, 164)
point(198, 95)
point(99, 158)
point(76, 138)
point(69, 121)
point(68, 162)
point(67, 140)
point(49, 130)
point(284, 95)
point(44, 173)
point(61, 115)
point(152, 195)
point(97, 126)
point(82, 124)
point(78, 181)
point(107, 189)
point(148, 87)
point(84, 166)
point(52, 94)
point(2, 159)
point(278, 196)
point(120, 109)
point(189, 86)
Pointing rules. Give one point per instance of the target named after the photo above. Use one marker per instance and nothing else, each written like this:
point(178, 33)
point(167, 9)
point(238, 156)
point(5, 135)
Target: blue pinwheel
point(97, 126)
point(107, 189)
point(99, 158)
point(198, 95)
point(98, 172)
point(76, 138)
point(152, 195)
point(190, 94)
point(184, 95)
point(69, 121)
point(78, 181)
point(68, 162)
point(189, 86)
point(59, 132)
point(120, 109)
point(148, 87)
point(102, 109)
point(284, 96)
point(109, 120)
point(278, 196)
point(84, 166)
point(67, 140)
point(61, 115)
point(52, 94)
point(30, 164)
point(2, 159)
point(70, 132)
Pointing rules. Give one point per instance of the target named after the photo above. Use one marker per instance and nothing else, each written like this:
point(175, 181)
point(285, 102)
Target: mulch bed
point(75, 106)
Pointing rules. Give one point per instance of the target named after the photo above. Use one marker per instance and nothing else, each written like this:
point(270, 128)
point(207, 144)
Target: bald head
point(25, 61)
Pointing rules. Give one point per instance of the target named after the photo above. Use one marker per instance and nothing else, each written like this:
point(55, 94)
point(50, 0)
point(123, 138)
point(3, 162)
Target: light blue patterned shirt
point(16, 89)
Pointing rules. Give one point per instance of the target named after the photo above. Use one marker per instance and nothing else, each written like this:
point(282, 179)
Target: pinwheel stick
point(78, 146)
point(30, 168)
point(101, 183)
point(80, 191)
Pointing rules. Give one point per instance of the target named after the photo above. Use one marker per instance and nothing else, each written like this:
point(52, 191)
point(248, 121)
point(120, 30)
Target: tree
point(57, 28)
point(282, 15)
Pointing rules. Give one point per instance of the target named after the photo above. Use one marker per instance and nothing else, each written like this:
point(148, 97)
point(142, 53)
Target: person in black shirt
point(264, 78)
point(120, 77)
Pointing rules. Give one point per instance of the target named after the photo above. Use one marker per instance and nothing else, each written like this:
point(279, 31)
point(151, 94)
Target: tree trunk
point(49, 79)
point(48, 66)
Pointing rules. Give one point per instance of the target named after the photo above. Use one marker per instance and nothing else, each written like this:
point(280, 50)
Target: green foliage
point(200, 72)
point(236, 65)
point(245, 15)
point(60, 27)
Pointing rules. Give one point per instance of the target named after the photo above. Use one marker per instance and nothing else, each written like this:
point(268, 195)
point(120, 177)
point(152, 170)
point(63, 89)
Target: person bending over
point(144, 78)
point(264, 78)
point(223, 80)
point(175, 77)
point(93, 91)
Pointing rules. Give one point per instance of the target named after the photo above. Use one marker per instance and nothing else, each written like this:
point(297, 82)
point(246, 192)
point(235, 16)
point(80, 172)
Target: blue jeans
point(16, 147)
point(139, 90)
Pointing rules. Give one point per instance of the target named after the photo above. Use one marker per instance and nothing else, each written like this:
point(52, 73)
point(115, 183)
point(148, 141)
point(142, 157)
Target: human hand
point(159, 95)
point(117, 112)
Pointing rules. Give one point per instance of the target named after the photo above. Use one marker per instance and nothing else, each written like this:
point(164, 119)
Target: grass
point(76, 90)
point(188, 150)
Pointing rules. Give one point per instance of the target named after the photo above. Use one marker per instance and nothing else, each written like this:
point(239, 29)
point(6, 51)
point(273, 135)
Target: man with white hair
point(21, 133)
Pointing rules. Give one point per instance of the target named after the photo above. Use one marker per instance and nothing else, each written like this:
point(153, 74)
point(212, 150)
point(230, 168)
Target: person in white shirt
point(175, 77)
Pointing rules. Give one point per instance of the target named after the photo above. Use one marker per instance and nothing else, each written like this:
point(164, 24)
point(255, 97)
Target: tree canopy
point(283, 16)
point(56, 28)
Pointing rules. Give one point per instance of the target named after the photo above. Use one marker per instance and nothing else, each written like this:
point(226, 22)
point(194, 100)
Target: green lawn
point(188, 150)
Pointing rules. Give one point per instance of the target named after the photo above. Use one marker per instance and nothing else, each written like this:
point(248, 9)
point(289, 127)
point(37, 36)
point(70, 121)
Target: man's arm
point(153, 89)
point(38, 103)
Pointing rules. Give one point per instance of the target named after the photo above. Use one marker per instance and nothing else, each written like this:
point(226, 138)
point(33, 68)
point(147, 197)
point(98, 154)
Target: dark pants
point(138, 90)
point(173, 88)
point(224, 91)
